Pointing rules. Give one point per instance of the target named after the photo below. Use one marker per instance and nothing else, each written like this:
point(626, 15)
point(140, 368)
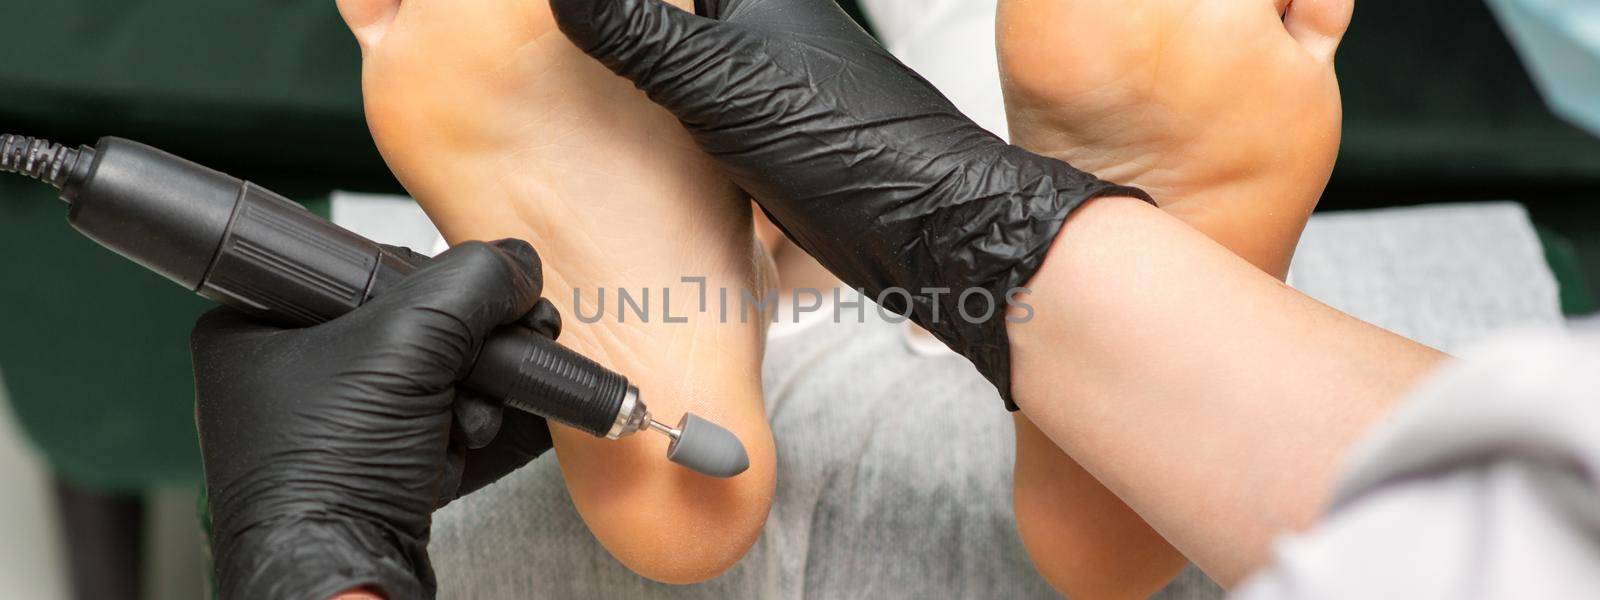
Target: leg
point(501, 128)
point(1214, 400)
point(1124, 111)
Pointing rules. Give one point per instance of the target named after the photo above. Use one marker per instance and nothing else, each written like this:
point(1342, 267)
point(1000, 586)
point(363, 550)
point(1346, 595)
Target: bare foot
point(501, 128)
point(1228, 113)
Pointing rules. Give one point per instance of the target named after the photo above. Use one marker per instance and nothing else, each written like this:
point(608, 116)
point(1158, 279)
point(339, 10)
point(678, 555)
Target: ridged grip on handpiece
point(279, 261)
point(536, 374)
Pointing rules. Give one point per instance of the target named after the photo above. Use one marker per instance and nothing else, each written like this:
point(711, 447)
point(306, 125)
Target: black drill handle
point(256, 251)
point(280, 262)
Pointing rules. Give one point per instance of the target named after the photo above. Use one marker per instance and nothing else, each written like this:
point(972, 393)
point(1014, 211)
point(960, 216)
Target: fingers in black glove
point(479, 454)
point(452, 303)
point(858, 159)
point(522, 438)
point(478, 419)
point(489, 443)
point(327, 448)
point(491, 440)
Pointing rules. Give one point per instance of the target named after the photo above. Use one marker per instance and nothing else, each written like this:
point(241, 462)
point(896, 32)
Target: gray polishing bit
point(707, 448)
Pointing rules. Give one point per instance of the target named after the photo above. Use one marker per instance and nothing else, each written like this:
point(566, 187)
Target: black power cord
point(41, 159)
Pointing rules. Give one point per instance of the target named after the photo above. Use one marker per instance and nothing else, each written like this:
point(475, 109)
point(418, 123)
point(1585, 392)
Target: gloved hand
point(328, 448)
point(859, 160)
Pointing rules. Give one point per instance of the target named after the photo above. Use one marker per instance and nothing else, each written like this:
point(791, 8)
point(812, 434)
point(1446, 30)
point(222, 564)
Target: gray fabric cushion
point(1443, 275)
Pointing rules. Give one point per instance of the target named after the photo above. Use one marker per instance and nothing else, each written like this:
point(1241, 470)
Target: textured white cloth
point(1486, 484)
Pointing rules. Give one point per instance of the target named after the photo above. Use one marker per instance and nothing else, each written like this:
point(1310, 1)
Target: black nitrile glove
point(858, 159)
point(328, 448)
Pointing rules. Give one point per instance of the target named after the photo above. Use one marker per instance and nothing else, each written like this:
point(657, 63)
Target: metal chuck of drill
point(246, 247)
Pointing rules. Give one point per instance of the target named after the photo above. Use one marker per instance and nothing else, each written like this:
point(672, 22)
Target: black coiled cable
point(37, 158)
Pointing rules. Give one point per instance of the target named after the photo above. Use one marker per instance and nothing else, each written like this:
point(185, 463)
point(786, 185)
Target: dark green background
point(95, 358)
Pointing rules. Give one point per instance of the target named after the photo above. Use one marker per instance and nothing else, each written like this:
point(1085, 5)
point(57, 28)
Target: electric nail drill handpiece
point(244, 246)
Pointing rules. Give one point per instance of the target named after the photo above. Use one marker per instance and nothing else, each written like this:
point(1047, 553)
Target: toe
point(1318, 25)
point(368, 19)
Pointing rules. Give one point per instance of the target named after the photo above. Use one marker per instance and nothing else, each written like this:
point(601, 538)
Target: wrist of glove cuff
point(953, 259)
point(984, 251)
point(313, 558)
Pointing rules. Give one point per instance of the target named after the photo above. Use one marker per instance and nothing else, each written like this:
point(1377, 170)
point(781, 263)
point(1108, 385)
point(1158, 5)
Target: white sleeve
point(1486, 484)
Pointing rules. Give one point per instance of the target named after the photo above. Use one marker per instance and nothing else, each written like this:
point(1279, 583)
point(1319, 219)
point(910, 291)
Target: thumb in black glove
point(858, 159)
point(327, 448)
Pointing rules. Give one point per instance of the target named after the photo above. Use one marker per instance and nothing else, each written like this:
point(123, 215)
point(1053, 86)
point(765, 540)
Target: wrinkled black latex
point(857, 158)
point(328, 448)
